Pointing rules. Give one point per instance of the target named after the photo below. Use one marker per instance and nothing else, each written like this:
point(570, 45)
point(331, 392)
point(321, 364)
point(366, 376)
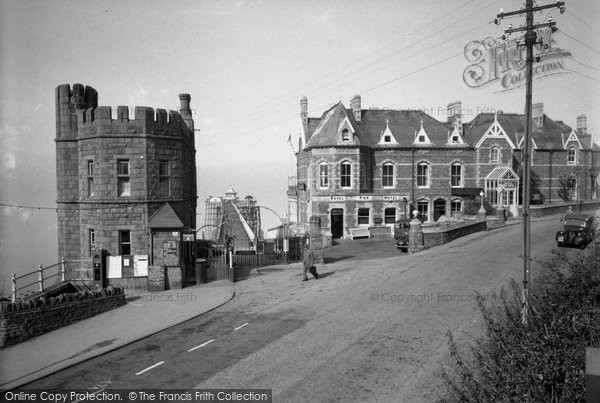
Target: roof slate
point(403, 124)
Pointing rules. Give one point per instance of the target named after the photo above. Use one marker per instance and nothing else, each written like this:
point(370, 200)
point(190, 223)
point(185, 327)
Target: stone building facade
point(370, 167)
point(125, 184)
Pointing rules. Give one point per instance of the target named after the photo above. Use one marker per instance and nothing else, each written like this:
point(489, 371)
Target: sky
point(246, 64)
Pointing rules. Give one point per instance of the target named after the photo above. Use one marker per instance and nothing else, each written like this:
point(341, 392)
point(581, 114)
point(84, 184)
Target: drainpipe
point(550, 177)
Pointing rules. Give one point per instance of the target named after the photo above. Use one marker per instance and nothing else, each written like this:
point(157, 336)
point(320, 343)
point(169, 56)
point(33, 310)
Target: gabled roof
point(403, 124)
point(165, 217)
point(502, 173)
point(550, 136)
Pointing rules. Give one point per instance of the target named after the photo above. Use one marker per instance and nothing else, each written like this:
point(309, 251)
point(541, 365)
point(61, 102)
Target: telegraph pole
point(530, 40)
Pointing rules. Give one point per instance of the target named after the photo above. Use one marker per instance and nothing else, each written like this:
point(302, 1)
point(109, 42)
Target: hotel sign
point(359, 198)
point(503, 61)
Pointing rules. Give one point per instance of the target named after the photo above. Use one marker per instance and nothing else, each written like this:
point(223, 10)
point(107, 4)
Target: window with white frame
point(456, 206)
point(571, 156)
point(423, 210)
point(387, 175)
point(495, 154)
point(91, 240)
point(363, 216)
point(123, 182)
point(90, 178)
point(390, 215)
point(345, 174)
point(423, 174)
point(456, 175)
point(323, 175)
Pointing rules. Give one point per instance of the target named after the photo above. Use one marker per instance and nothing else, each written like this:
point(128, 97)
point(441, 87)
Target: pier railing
point(43, 276)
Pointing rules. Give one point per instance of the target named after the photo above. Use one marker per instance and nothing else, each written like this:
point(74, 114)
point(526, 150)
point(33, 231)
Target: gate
point(218, 264)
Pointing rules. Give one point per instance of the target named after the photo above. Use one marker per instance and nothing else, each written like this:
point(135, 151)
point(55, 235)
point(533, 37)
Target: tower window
point(164, 178)
point(90, 178)
point(125, 242)
point(123, 183)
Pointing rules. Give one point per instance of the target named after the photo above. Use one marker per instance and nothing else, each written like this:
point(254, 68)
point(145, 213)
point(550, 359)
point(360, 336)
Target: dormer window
point(387, 139)
point(345, 135)
point(455, 139)
point(421, 139)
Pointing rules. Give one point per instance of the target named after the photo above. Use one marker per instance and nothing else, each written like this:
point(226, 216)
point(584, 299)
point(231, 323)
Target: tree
point(567, 183)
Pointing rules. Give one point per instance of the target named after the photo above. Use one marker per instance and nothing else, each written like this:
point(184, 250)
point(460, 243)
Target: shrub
point(543, 360)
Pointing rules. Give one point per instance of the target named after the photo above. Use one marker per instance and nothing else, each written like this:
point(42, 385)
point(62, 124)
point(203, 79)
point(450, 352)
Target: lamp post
point(286, 244)
point(481, 212)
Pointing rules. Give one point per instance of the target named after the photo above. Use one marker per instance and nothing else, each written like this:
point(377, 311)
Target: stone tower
point(125, 184)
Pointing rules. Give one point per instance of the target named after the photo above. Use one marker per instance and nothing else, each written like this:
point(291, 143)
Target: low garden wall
point(542, 210)
point(22, 321)
point(434, 236)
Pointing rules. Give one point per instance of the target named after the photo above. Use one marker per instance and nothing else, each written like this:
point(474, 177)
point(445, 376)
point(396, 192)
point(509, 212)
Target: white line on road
point(150, 367)
point(239, 327)
point(201, 345)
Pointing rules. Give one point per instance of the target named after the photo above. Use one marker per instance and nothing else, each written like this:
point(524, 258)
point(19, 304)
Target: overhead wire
point(345, 67)
point(304, 88)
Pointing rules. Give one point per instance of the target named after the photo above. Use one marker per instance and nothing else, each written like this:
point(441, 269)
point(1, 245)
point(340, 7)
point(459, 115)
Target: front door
point(439, 208)
point(337, 223)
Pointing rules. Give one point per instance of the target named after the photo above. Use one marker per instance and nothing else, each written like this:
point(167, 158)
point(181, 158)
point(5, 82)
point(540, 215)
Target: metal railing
point(42, 278)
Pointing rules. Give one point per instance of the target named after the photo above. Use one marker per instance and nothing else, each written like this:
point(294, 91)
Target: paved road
point(373, 328)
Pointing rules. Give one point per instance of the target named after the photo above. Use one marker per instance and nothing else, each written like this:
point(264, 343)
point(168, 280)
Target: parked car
point(578, 230)
point(401, 228)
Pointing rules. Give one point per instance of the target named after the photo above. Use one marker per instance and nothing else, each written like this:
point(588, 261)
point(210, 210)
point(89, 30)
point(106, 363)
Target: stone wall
point(22, 321)
point(441, 235)
point(586, 206)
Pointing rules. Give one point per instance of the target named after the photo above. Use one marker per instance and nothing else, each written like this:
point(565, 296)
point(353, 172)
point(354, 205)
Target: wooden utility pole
point(530, 40)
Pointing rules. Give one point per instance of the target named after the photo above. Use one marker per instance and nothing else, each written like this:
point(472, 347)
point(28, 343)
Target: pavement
point(144, 314)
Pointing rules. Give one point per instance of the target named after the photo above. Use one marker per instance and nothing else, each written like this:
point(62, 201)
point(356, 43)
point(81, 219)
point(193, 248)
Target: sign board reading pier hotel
point(503, 61)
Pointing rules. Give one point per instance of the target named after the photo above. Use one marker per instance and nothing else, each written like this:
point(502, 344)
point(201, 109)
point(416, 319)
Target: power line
point(583, 22)
point(583, 74)
point(243, 134)
point(378, 69)
point(225, 123)
point(346, 66)
point(28, 207)
point(578, 41)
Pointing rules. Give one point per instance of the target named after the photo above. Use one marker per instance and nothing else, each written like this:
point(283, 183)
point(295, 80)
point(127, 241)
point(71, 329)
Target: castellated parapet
point(115, 174)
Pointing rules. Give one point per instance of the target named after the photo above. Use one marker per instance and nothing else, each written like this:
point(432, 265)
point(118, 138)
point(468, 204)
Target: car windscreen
point(575, 223)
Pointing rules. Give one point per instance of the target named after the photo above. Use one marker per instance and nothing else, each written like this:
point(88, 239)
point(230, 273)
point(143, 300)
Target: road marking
point(150, 367)
point(201, 345)
point(239, 327)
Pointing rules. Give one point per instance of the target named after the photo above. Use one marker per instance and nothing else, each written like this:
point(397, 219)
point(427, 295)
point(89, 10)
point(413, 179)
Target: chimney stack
point(537, 113)
point(185, 111)
point(582, 124)
point(454, 115)
point(304, 112)
point(355, 106)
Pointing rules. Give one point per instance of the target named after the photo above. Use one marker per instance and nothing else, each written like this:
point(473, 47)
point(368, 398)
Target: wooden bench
point(359, 232)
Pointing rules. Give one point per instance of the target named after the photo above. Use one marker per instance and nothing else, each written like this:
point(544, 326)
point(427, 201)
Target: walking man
point(309, 264)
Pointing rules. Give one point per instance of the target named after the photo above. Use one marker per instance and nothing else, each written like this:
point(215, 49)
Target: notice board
point(171, 253)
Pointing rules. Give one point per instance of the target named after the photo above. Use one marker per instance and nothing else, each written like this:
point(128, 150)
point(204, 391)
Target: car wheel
point(583, 245)
point(559, 244)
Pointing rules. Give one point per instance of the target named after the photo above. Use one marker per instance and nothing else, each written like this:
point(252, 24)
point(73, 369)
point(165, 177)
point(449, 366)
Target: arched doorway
point(439, 208)
point(337, 223)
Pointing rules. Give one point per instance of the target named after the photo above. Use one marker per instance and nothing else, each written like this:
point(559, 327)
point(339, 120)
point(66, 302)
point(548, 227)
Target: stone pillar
point(415, 236)
point(314, 233)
